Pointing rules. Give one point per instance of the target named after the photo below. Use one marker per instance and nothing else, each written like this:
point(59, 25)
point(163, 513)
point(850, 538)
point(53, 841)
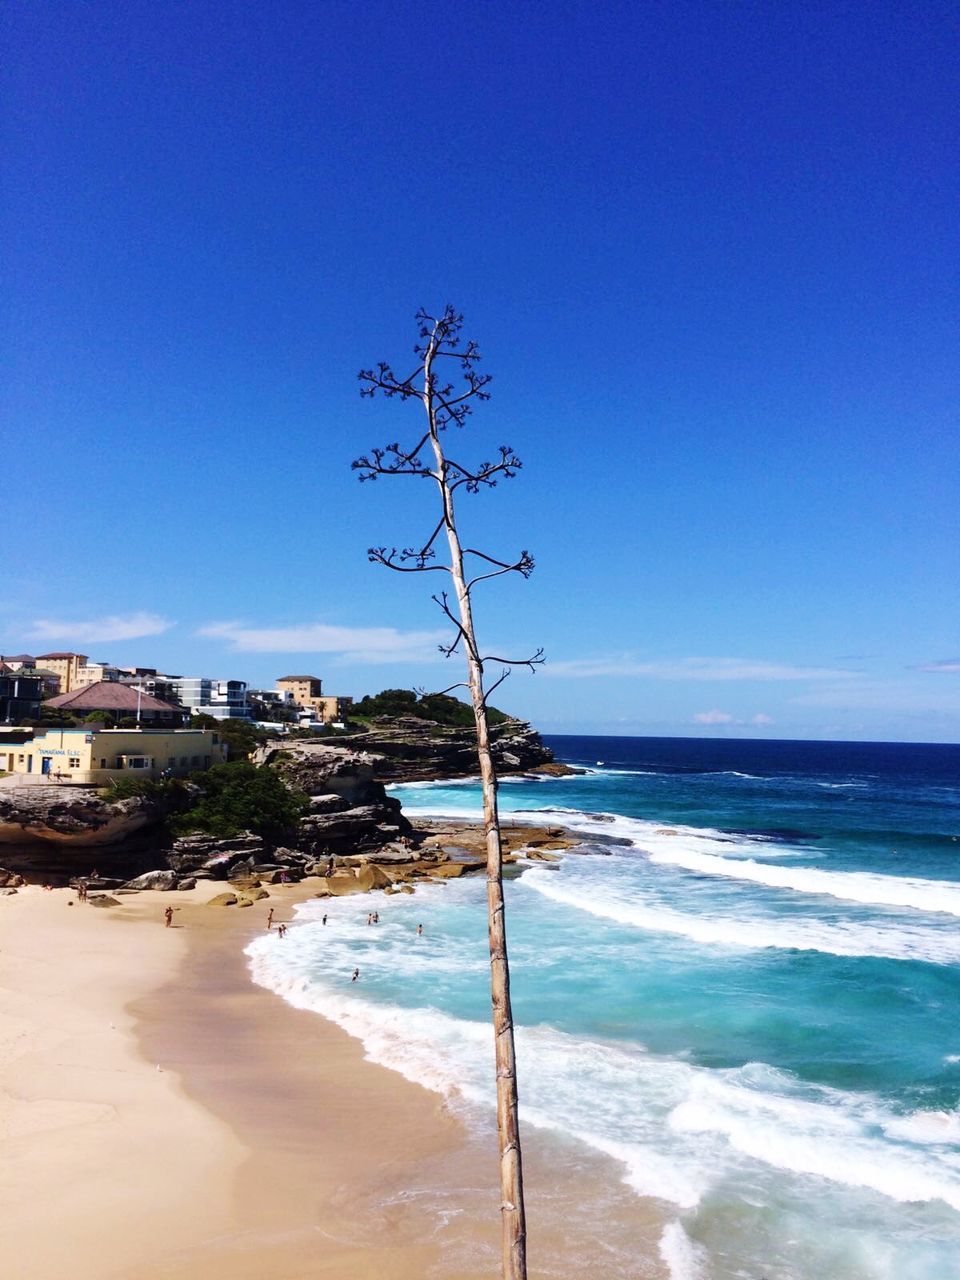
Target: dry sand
point(161, 1116)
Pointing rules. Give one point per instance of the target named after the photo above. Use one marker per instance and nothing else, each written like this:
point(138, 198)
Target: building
point(308, 694)
point(20, 695)
point(120, 701)
point(95, 756)
point(222, 699)
point(65, 665)
point(94, 673)
point(18, 661)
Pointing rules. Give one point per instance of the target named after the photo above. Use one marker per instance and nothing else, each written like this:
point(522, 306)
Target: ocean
point(747, 1003)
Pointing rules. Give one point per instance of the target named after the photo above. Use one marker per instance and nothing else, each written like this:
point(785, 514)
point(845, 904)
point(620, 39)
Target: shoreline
point(132, 1152)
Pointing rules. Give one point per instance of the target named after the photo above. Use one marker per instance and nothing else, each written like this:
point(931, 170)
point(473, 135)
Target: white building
point(202, 696)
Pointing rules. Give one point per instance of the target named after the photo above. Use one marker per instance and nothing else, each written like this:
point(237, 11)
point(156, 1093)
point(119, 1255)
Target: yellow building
point(95, 756)
point(65, 665)
point(308, 693)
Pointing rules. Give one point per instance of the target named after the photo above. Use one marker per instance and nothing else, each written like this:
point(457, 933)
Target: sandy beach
point(162, 1116)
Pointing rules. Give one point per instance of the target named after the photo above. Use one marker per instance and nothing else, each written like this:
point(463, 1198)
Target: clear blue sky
point(709, 250)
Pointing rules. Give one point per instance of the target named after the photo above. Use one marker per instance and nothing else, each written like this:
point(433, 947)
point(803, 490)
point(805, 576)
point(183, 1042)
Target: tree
point(447, 404)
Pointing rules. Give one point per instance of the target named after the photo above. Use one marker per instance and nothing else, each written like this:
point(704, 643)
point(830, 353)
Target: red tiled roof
point(61, 655)
point(105, 695)
point(16, 657)
point(315, 679)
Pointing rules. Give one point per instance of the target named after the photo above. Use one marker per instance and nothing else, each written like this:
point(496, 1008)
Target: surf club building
point(95, 756)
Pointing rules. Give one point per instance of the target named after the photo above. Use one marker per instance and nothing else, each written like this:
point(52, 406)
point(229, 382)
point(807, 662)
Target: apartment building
point(308, 694)
point(65, 665)
point(201, 695)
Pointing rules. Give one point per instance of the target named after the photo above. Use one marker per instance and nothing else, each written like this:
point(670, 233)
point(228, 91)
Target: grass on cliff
point(439, 708)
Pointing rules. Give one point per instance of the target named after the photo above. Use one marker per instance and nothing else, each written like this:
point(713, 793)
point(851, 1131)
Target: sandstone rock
point(338, 886)
point(5, 893)
point(102, 900)
point(153, 880)
point(74, 816)
point(244, 902)
point(255, 895)
point(223, 900)
point(185, 885)
point(10, 879)
point(373, 877)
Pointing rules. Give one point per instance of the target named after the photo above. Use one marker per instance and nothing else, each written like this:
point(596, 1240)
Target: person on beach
point(270, 918)
point(324, 921)
point(356, 975)
point(81, 890)
point(330, 866)
point(281, 929)
point(168, 917)
point(419, 930)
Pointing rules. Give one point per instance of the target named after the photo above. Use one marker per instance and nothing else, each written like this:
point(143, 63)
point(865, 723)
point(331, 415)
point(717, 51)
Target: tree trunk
point(513, 1218)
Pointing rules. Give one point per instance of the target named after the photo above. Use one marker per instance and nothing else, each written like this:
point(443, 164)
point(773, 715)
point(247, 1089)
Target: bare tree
point(447, 403)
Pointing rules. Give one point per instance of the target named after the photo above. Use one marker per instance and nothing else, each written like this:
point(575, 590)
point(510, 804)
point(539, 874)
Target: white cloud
point(100, 630)
point(352, 644)
point(761, 720)
point(946, 664)
point(693, 669)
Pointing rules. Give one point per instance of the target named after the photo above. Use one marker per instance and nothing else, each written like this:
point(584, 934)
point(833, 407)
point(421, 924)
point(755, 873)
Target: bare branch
point(496, 685)
point(389, 558)
point(536, 661)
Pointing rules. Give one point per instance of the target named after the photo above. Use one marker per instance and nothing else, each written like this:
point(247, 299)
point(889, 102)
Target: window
point(73, 762)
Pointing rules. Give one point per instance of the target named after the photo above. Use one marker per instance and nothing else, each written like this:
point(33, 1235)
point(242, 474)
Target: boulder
point(448, 870)
point(338, 886)
point(102, 900)
point(153, 880)
point(10, 879)
point(373, 877)
point(185, 885)
point(223, 900)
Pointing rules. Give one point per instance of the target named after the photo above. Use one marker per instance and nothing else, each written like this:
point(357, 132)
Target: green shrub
point(239, 796)
point(440, 708)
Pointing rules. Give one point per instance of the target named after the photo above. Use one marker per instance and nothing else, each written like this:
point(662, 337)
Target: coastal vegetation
point(446, 404)
point(222, 801)
point(439, 708)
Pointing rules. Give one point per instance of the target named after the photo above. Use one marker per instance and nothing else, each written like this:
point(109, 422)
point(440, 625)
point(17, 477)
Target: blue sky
point(709, 251)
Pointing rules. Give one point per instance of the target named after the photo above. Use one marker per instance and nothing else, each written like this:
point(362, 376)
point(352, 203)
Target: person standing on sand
point(168, 917)
point(270, 918)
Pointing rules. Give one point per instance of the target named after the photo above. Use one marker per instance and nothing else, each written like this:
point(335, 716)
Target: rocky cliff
point(406, 749)
point(76, 816)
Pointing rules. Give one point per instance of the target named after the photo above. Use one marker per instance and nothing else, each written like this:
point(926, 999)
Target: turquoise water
point(750, 1003)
